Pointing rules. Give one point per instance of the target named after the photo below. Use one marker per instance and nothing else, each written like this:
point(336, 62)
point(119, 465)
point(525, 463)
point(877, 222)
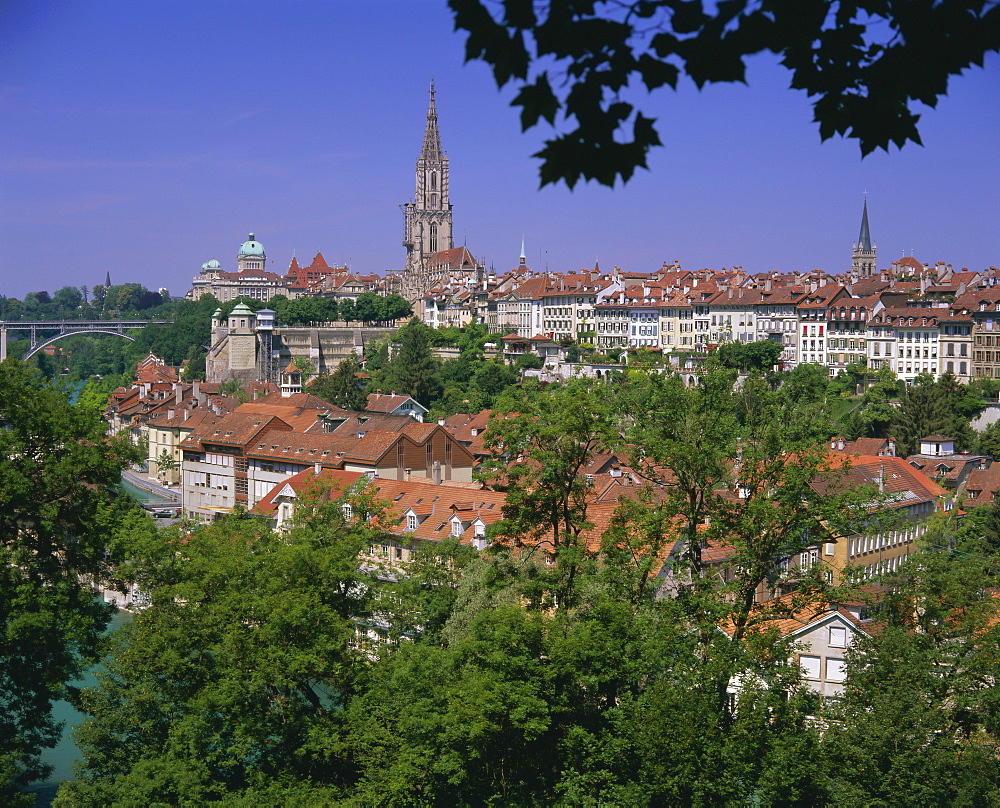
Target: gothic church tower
point(863, 263)
point(427, 219)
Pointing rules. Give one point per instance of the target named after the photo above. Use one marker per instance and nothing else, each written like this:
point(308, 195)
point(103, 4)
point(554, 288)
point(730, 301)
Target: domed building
point(251, 278)
point(251, 255)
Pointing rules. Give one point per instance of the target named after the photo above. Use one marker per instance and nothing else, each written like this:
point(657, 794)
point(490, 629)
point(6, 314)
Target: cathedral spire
point(432, 138)
point(427, 219)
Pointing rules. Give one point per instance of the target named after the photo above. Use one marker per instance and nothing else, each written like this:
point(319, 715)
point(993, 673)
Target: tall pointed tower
point(863, 262)
point(427, 219)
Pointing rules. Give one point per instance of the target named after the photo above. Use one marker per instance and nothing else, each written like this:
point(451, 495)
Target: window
point(411, 522)
point(836, 671)
point(838, 637)
point(810, 666)
point(456, 527)
point(348, 510)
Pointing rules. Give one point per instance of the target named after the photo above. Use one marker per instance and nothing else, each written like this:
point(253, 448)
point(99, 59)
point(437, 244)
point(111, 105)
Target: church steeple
point(427, 219)
point(863, 256)
point(865, 238)
point(432, 138)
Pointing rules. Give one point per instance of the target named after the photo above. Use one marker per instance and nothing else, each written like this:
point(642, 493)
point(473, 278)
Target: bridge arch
point(32, 351)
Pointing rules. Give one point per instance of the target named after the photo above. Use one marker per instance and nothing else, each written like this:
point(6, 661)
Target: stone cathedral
point(427, 219)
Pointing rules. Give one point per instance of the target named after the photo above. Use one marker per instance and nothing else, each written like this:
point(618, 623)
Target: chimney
point(436, 472)
point(317, 468)
point(170, 414)
point(186, 412)
point(881, 479)
point(178, 393)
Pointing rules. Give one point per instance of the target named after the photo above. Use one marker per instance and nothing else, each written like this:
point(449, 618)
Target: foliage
point(304, 365)
point(759, 356)
point(564, 664)
point(537, 456)
point(529, 360)
point(989, 441)
point(931, 407)
point(233, 678)
point(342, 387)
point(581, 62)
point(872, 416)
point(919, 717)
point(413, 369)
point(56, 511)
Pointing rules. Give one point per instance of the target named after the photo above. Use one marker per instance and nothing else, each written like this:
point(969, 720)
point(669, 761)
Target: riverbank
point(152, 487)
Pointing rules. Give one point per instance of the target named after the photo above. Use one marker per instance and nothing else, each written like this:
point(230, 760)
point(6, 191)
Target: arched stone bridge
point(41, 331)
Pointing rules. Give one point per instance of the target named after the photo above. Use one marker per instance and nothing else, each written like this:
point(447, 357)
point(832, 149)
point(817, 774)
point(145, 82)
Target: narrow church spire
point(864, 258)
point(865, 238)
point(432, 138)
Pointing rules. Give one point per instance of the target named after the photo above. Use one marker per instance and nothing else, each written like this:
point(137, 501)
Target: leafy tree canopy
point(864, 62)
point(57, 510)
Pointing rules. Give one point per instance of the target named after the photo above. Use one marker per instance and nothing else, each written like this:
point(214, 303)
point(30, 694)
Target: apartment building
point(813, 312)
point(235, 460)
point(905, 340)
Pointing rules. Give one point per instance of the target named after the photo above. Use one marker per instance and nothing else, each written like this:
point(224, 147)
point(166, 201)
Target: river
point(64, 754)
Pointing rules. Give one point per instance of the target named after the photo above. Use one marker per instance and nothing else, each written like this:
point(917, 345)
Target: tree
point(303, 365)
point(920, 712)
point(537, 457)
point(231, 683)
point(579, 61)
point(396, 308)
point(871, 418)
point(347, 310)
point(989, 441)
point(56, 513)
point(342, 387)
point(165, 464)
point(413, 370)
point(369, 308)
point(748, 356)
point(68, 299)
point(491, 379)
point(926, 409)
point(529, 360)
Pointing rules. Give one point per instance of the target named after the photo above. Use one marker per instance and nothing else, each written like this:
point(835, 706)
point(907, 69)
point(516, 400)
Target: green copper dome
point(251, 247)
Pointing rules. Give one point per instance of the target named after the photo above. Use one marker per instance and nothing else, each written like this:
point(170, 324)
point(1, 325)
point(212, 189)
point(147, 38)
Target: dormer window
point(456, 526)
point(348, 510)
point(411, 522)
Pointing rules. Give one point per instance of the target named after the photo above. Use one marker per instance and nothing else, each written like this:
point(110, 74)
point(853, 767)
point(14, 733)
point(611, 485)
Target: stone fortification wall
point(324, 347)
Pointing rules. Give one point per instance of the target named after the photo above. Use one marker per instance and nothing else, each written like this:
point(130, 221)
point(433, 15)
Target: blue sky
point(144, 138)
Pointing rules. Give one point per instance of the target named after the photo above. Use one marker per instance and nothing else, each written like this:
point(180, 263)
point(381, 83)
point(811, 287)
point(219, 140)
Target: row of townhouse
point(232, 461)
point(911, 328)
point(160, 411)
